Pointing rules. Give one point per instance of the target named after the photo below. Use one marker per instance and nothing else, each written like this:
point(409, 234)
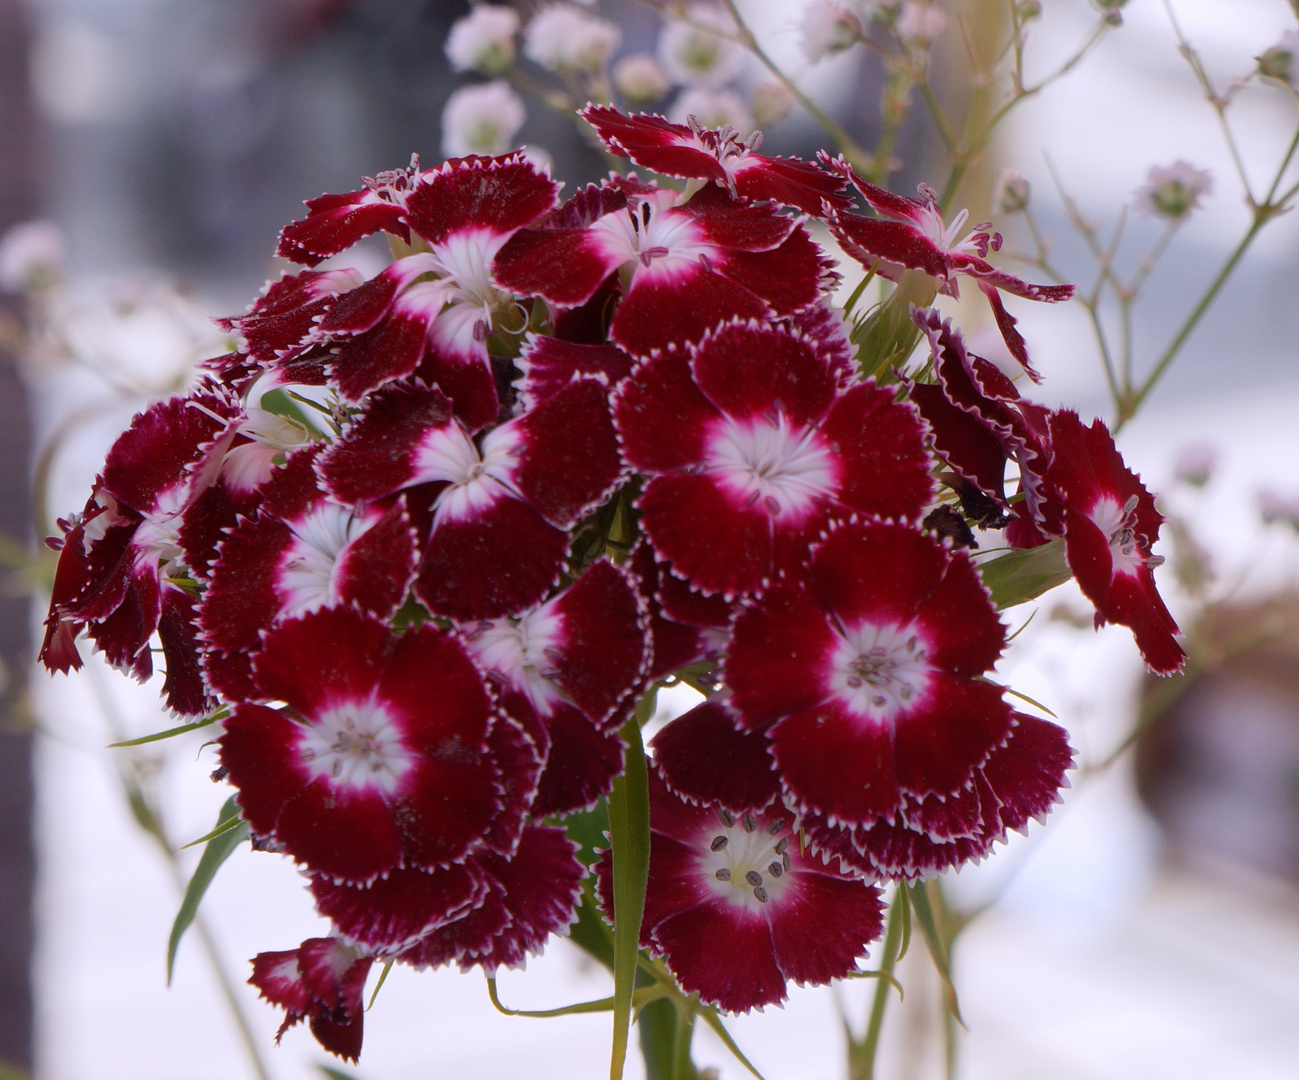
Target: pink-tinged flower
point(1172, 191)
point(690, 151)
point(738, 909)
point(566, 670)
point(383, 756)
point(751, 444)
point(122, 565)
point(683, 266)
point(321, 981)
point(1110, 526)
point(530, 895)
point(1020, 781)
point(869, 674)
point(502, 503)
point(910, 234)
point(302, 551)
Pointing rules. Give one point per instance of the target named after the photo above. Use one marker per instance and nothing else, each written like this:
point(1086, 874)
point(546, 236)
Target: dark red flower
point(322, 981)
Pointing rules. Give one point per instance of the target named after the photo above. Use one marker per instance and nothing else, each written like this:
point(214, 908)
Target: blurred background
point(149, 152)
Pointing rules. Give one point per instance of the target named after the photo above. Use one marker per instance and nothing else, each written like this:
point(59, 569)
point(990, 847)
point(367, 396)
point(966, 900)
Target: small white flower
point(827, 28)
point(31, 255)
point(1281, 61)
point(640, 79)
point(694, 57)
point(483, 40)
point(712, 108)
point(1173, 191)
point(770, 103)
point(481, 119)
point(920, 25)
point(1012, 192)
point(565, 38)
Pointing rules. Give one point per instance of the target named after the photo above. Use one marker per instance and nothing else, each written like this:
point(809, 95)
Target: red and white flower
point(751, 443)
point(383, 756)
point(1110, 527)
point(869, 675)
point(321, 981)
point(738, 909)
point(910, 234)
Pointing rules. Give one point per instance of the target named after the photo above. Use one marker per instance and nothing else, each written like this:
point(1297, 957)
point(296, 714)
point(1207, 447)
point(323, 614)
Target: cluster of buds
point(425, 540)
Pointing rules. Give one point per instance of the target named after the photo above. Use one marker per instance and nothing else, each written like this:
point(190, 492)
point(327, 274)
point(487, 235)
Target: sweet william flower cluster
point(567, 451)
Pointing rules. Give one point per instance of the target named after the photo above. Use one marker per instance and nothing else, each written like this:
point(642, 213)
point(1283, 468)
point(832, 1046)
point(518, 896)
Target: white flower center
point(524, 652)
point(769, 460)
point(945, 235)
point(1117, 522)
point(653, 240)
point(477, 478)
point(308, 567)
point(157, 537)
point(746, 863)
point(357, 745)
point(880, 669)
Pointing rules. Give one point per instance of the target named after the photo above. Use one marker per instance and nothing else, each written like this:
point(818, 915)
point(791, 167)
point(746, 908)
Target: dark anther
point(748, 823)
point(776, 826)
point(219, 774)
point(723, 874)
point(775, 869)
point(753, 877)
point(728, 819)
point(718, 843)
point(761, 894)
point(780, 848)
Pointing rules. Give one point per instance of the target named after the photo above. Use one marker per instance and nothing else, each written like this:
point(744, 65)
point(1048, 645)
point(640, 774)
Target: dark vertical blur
point(17, 856)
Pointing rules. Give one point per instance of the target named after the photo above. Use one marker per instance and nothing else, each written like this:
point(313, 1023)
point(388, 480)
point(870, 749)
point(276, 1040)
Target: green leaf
point(1020, 576)
point(332, 1073)
point(224, 827)
point(919, 896)
point(170, 733)
point(630, 836)
point(219, 849)
point(383, 977)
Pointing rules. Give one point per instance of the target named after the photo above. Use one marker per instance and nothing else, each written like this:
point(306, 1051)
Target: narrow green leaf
point(383, 977)
point(602, 1005)
point(919, 895)
point(629, 834)
point(901, 895)
point(224, 827)
point(714, 1021)
point(886, 976)
point(1020, 576)
point(217, 851)
point(170, 733)
point(331, 1073)
point(1032, 701)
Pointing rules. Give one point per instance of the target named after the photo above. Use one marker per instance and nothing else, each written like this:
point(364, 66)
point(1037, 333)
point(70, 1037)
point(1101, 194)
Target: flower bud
point(1028, 9)
point(1012, 193)
point(483, 40)
point(1278, 62)
point(640, 79)
point(713, 109)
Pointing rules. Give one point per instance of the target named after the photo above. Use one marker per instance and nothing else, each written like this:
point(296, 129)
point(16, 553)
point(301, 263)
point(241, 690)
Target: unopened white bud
point(827, 28)
point(713, 109)
point(1012, 193)
point(31, 256)
point(770, 103)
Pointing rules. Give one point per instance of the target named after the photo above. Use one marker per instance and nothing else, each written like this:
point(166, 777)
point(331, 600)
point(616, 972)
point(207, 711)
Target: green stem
point(1129, 403)
point(682, 1067)
point(848, 146)
point(862, 1065)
